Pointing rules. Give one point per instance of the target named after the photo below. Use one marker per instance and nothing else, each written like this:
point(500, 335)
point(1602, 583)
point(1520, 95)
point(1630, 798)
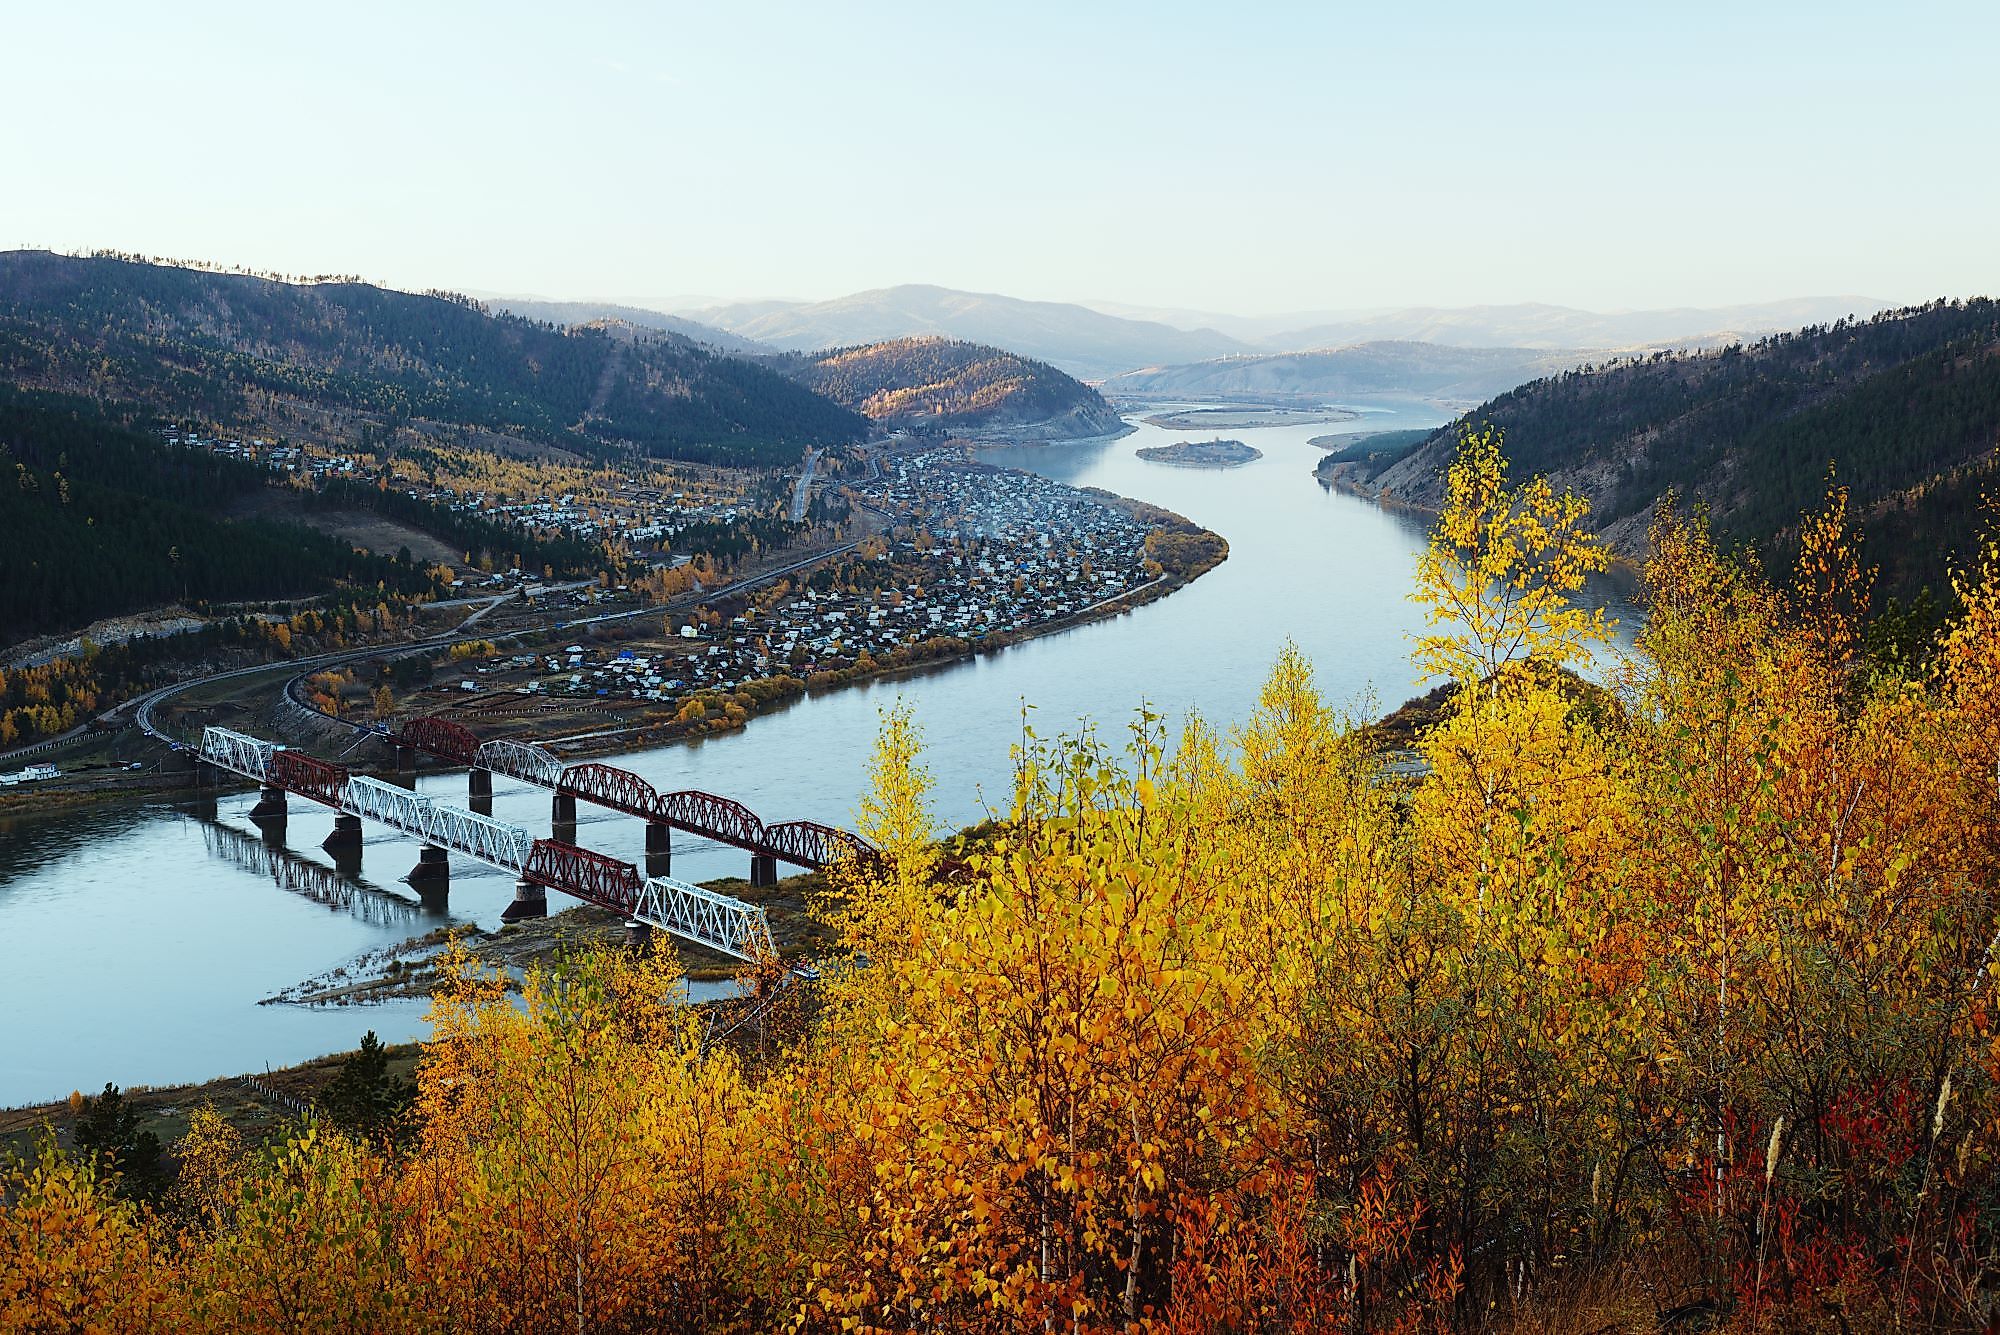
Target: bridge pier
point(763, 869)
point(270, 806)
point(562, 815)
point(479, 783)
point(659, 848)
point(406, 760)
point(431, 878)
point(345, 841)
point(530, 901)
point(433, 864)
point(639, 937)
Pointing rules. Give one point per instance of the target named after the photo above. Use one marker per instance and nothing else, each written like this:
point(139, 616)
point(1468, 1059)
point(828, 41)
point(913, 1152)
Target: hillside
point(942, 384)
point(1086, 343)
point(1420, 370)
point(340, 358)
point(1904, 406)
point(574, 313)
point(97, 517)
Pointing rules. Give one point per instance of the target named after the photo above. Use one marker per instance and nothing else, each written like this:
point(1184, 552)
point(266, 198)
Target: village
point(968, 556)
point(633, 511)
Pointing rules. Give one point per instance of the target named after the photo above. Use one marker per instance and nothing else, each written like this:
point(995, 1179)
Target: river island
point(1216, 453)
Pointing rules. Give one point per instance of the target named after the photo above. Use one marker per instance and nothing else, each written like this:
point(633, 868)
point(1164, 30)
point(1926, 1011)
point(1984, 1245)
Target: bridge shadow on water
point(327, 886)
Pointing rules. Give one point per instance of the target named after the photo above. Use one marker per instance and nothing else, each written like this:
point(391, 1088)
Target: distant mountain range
point(1905, 408)
point(1098, 342)
point(1420, 370)
point(1526, 325)
point(943, 384)
point(1085, 343)
point(343, 359)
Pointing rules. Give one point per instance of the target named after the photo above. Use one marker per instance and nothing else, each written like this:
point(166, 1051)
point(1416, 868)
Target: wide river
point(136, 941)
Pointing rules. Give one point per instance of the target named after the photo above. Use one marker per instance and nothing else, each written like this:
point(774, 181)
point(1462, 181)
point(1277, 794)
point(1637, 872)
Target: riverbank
point(1266, 416)
point(409, 969)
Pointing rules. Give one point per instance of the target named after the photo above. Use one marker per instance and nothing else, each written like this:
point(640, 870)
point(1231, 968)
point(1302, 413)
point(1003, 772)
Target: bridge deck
point(688, 911)
point(802, 843)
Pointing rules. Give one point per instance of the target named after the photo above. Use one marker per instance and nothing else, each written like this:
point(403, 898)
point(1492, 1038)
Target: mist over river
point(136, 941)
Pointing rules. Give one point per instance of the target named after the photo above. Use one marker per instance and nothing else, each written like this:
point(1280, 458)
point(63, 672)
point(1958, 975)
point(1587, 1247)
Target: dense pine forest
point(215, 346)
point(1904, 408)
point(1670, 1004)
point(943, 383)
point(99, 516)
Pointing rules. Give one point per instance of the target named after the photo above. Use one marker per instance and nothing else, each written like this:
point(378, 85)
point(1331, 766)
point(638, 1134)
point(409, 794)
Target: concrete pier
point(432, 865)
point(530, 901)
point(659, 848)
point(562, 815)
point(479, 783)
point(406, 760)
point(270, 806)
point(763, 869)
point(431, 878)
point(345, 841)
point(638, 936)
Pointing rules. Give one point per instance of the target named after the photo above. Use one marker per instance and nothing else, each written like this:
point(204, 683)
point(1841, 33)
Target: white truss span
point(491, 841)
point(688, 911)
point(717, 921)
point(519, 760)
point(245, 755)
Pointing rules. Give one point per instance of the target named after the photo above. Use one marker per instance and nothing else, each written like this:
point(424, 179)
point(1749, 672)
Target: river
point(136, 941)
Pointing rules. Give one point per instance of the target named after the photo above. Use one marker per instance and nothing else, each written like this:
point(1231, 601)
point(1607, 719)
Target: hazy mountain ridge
point(1536, 325)
point(945, 384)
point(253, 350)
point(1905, 407)
point(1082, 342)
point(1539, 325)
point(1420, 370)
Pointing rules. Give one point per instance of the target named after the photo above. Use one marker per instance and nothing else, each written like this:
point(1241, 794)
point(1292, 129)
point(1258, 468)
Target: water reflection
point(328, 886)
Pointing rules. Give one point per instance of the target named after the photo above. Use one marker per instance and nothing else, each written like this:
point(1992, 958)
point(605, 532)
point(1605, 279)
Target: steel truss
point(698, 914)
point(520, 760)
point(688, 911)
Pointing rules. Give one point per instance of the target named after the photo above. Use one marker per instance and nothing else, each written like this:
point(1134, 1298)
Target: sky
point(1236, 157)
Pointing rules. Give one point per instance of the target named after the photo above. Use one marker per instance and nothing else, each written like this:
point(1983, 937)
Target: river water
point(135, 942)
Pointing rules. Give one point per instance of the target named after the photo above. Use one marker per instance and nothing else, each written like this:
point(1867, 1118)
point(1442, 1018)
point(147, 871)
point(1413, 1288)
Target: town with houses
point(639, 515)
point(973, 552)
point(966, 552)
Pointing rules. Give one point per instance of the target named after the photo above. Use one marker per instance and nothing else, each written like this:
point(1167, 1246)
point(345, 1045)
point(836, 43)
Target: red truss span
point(719, 818)
point(609, 786)
point(802, 843)
point(442, 738)
point(605, 882)
point(309, 776)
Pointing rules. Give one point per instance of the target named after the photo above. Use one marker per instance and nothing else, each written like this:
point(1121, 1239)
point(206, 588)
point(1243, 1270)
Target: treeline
point(51, 698)
point(1904, 407)
point(97, 517)
point(501, 541)
point(1669, 1007)
point(190, 343)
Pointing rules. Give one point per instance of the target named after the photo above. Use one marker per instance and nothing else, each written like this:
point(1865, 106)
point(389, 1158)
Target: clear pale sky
point(1239, 157)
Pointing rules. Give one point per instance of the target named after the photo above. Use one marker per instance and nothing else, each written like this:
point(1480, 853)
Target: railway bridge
point(691, 912)
point(801, 843)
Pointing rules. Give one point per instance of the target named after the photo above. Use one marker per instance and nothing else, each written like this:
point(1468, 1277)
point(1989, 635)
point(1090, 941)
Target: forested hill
point(97, 517)
point(1905, 407)
point(341, 355)
point(947, 384)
